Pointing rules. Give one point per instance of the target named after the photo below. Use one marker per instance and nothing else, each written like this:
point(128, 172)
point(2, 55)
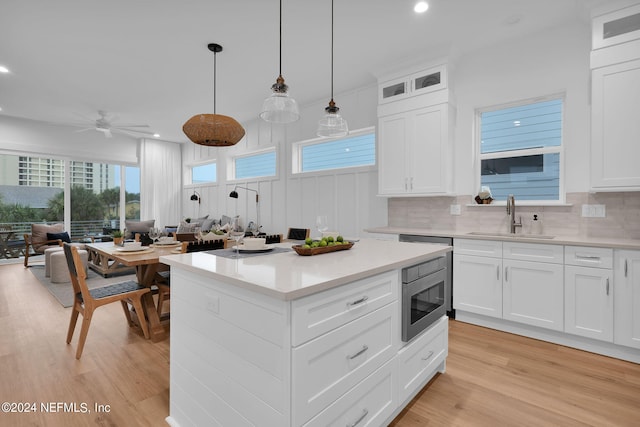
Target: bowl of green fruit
point(325, 245)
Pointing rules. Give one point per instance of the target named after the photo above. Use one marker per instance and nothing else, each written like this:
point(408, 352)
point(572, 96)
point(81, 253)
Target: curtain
point(160, 182)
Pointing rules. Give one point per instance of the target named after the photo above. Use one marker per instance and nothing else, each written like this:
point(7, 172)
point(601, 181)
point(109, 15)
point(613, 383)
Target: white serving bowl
point(254, 242)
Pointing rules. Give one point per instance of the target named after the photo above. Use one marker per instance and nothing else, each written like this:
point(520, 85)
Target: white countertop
point(289, 276)
point(613, 242)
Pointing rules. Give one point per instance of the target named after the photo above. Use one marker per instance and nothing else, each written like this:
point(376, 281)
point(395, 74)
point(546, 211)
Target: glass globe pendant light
point(332, 125)
point(280, 107)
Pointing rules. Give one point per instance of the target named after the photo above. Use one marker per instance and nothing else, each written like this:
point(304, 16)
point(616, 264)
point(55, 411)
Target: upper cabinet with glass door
point(618, 26)
point(615, 97)
point(424, 81)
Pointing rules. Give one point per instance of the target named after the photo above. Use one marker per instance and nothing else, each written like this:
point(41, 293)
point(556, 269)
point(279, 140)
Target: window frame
point(297, 147)
point(479, 157)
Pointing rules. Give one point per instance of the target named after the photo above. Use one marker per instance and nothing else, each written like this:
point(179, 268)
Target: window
point(255, 165)
point(357, 149)
point(32, 189)
point(204, 173)
point(521, 150)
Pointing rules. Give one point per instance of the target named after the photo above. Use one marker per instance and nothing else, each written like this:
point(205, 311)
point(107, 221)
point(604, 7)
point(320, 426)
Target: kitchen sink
point(513, 236)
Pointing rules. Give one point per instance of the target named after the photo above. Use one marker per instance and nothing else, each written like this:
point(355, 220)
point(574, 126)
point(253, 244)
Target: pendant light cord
point(280, 64)
point(214, 82)
point(332, 50)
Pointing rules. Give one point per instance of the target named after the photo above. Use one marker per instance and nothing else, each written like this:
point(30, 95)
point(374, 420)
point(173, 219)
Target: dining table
point(146, 262)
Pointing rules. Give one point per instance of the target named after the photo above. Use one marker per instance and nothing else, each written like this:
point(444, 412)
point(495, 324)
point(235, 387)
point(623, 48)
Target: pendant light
point(214, 129)
point(279, 107)
point(332, 125)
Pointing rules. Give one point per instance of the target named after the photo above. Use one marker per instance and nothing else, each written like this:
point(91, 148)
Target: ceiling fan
point(107, 124)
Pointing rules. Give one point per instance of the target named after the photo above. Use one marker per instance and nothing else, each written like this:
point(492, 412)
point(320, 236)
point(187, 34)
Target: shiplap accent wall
point(347, 196)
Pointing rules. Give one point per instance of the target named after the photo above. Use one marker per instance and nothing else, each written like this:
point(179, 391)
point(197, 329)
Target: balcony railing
point(78, 228)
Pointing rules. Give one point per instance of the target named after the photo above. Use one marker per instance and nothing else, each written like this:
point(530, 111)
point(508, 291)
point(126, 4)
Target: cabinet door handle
point(625, 268)
point(411, 183)
point(360, 301)
point(506, 274)
point(607, 286)
point(406, 183)
point(362, 350)
point(365, 412)
point(428, 356)
point(497, 272)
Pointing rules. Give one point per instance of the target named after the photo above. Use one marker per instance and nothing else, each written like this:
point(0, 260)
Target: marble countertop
point(289, 276)
point(617, 243)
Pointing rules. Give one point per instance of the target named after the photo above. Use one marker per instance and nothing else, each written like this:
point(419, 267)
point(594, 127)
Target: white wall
point(348, 197)
point(556, 61)
point(37, 138)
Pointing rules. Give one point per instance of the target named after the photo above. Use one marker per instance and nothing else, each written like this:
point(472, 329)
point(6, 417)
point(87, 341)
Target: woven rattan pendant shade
point(213, 130)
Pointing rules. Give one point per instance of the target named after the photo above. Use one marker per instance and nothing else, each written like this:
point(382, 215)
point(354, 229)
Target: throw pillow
point(188, 227)
point(39, 232)
point(59, 236)
point(133, 227)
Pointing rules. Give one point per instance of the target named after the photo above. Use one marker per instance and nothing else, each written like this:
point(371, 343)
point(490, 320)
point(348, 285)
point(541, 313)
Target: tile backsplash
point(622, 218)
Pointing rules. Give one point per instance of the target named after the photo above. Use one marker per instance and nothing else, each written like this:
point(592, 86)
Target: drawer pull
point(365, 412)
point(360, 301)
point(362, 350)
point(428, 356)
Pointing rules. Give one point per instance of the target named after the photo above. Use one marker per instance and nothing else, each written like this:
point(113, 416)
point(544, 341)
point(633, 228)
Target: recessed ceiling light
point(156, 135)
point(3, 69)
point(421, 7)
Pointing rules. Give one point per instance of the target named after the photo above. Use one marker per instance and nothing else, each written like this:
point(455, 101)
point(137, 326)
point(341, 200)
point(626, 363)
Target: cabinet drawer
point(369, 403)
point(328, 366)
point(533, 252)
point(418, 360)
point(320, 313)
point(588, 257)
point(488, 248)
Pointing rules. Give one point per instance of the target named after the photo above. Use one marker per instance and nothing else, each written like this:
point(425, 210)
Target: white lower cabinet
point(533, 293)
point(327, 367)
point(477, 271)
point(627, 298)
point(418, 360)
point(369, 403)
point(478, 285)
point(589, 292)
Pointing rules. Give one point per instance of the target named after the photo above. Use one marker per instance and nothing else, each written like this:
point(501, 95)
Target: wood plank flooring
point(492, 378)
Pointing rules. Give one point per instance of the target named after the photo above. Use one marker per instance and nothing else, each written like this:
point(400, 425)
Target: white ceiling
point(147, 61)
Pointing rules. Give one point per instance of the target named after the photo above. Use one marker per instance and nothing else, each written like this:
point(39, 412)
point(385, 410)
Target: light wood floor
point(492, 379)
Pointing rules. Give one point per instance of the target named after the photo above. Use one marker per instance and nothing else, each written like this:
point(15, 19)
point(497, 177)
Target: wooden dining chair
point(162, 279)
point(298, 233)
point(86, 300)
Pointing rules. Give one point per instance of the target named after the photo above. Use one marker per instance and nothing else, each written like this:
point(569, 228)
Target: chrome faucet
point(511, 210)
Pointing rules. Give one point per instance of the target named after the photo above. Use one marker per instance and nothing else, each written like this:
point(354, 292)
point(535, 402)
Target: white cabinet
point(477, 272)
point(532, 291)
point(615, 127)
point(627, 298)
point(419, 359)
point(615, 76)
point(522, 282)
point(415, 152)
point(415, 130)
point(588, 290)
point(420, 82)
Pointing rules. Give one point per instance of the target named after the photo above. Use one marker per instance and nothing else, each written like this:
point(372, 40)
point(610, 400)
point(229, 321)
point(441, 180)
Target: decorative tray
point(321, 249)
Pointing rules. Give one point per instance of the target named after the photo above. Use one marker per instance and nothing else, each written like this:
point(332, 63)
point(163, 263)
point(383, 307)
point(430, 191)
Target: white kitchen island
point(288, 340)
